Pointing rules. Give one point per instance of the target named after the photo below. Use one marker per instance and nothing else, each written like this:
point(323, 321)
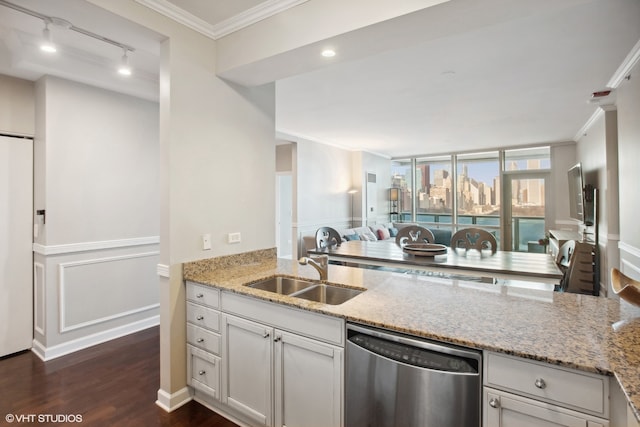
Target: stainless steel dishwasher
point(394, 380)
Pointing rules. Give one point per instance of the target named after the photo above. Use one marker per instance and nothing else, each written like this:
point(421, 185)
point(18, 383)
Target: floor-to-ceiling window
point(502, 191)
point(478, 191)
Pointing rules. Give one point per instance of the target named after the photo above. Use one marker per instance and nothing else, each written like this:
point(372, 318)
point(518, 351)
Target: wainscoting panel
point(629, 260)
point(39, 317)
point(97, 290)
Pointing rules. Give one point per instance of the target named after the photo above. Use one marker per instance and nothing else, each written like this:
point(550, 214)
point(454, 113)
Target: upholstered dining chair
point(414, 234)
point(326, 237)
point(474, 238)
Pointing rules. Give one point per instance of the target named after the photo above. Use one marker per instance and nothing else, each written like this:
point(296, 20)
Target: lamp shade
point(393, 194)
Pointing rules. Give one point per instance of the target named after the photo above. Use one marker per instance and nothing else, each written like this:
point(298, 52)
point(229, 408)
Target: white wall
point(96, 157)
point(217, 149)
point(363, 163)
point(17, 106)
point(628, 103)
point(324, 177)
point(102, 154)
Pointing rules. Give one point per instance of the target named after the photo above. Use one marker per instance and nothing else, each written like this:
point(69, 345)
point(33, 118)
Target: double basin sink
point(312, 291)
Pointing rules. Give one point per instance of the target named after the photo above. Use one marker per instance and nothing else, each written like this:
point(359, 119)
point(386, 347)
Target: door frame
point(506, 214)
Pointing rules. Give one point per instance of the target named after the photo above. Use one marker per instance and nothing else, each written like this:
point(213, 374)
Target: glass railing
point(526, 230)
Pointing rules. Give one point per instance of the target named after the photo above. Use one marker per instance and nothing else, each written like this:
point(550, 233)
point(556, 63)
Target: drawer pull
point(199, 295)
point(202, 372)
point(540, 383)
point(266, 334)
point(199, 317)
point(494, 403)
point(200, 340)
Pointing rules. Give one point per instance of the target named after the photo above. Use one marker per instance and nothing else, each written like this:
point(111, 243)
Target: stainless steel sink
point(328, 294)
point(282, 285)
point(311, 291)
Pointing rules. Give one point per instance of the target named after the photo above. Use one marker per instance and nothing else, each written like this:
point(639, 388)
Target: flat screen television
point(581, 197)
point(576, 193)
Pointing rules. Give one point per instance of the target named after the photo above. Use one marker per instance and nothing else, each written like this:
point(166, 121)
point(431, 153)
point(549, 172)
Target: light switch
point(206, 242)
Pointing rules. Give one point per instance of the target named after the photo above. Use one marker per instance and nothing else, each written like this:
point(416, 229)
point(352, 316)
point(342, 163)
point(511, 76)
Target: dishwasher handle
point(415, 351)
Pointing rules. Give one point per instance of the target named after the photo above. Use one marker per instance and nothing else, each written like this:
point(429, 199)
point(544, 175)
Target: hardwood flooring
point(111, 384)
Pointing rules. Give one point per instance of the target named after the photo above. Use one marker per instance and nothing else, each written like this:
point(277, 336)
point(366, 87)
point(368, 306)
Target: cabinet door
point(505, 410)
point(308, 382)
point(247, 361)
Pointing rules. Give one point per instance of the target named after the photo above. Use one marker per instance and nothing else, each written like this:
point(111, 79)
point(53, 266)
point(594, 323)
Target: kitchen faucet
point(320, 263)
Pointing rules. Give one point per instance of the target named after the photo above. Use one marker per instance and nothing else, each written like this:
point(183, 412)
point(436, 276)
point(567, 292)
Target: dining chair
point(563, 257)
point(414, 234)
point(474, 238)
point(326, 237)
point(563, 261)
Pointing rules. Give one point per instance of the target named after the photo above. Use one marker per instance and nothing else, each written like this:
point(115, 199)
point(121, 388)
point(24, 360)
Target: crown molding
point(223, 28)
point(585, 128)
point(625, 68)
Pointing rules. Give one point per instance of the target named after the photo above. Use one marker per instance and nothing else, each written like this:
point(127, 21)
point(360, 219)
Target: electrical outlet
point(206, 242)
point(234, 238)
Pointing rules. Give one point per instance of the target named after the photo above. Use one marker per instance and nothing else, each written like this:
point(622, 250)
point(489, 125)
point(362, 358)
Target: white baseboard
point(171, 401)
point(48, 353)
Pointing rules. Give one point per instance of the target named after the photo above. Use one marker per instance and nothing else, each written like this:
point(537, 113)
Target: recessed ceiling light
point(328, 53)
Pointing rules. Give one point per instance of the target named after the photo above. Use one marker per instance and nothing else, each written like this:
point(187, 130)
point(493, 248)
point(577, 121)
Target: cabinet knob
point(199, 317)
point(202, 372)
point(200, 340)
point(540, 383)
point(266, 334)
point(276, 339)
point(494, 403)
point(199, 295)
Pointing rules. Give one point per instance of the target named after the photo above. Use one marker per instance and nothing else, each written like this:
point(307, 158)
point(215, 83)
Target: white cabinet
point(248, 361)
point(203, 339)
point(519, 392)
point(264, 363)
point(275, 377)
point(507, 410)
point(308, 382)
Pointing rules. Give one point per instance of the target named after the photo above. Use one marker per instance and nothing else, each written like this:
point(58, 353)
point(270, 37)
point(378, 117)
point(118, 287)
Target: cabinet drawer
point(203, 339)
point(203, 316)
point(563, 387)
point(203, 371)
point(202, 294)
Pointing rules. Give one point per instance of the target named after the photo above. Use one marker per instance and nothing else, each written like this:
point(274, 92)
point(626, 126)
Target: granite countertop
point(588, 333)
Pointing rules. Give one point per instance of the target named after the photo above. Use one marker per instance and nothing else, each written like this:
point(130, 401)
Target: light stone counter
point(592, 334)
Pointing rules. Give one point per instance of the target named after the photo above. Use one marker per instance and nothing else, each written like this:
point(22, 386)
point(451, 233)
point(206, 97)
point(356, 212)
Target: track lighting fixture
point(47, 43)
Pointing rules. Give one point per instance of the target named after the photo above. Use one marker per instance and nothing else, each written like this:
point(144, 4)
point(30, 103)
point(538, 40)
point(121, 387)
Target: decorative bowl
point(424, 249)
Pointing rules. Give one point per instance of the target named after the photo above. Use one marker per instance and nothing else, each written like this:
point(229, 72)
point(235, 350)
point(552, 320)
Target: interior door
point(16, 257)
point(525, 205)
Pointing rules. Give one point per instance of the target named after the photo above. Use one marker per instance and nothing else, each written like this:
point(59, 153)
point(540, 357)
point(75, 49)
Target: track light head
point(47, 43)
point(124, 67)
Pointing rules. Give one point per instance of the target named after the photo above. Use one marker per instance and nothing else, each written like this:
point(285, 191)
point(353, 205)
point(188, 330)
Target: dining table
point(524, 266)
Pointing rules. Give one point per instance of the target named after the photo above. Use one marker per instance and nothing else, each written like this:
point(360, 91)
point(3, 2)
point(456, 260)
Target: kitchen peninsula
point(593, 335)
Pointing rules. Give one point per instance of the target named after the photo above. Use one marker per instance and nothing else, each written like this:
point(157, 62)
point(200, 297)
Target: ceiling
point(463, 75)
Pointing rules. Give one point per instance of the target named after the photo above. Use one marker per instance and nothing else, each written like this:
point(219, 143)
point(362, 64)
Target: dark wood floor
point(110, 384)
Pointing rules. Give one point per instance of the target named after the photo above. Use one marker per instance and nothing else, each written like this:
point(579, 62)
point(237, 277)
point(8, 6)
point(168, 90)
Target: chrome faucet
point(320, 263)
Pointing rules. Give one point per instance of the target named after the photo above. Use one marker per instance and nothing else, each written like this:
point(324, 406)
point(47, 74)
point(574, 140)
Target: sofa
point(380, 232)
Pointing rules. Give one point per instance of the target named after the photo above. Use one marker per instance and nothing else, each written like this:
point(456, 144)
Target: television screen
point(576, 202)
